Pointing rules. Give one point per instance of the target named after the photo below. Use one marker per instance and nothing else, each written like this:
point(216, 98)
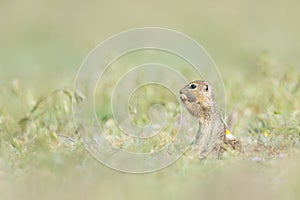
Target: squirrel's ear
point(206, 87)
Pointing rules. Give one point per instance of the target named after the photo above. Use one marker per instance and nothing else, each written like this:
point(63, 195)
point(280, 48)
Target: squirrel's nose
point(181, 92)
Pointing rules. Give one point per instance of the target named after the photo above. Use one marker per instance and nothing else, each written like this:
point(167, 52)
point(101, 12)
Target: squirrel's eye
point(193, 86)
point(206, 87)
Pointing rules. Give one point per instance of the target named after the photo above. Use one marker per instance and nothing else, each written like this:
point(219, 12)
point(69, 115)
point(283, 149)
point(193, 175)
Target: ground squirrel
point(198, 98)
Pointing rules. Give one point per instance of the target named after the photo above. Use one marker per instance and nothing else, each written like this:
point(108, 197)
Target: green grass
point(253, 43)
point(41, 155)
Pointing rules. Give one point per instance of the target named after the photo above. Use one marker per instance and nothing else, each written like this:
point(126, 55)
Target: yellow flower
point(228, 132)
point(266, 133)
point(229, 135)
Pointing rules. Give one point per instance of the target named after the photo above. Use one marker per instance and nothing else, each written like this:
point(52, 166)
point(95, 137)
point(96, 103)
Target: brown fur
point(198, 98)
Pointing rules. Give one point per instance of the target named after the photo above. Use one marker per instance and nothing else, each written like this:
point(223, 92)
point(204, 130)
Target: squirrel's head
point(197, 96)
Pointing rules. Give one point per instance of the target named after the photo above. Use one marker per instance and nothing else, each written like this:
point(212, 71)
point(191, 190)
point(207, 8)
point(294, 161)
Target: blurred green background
point(47, 41)
point(255, 44)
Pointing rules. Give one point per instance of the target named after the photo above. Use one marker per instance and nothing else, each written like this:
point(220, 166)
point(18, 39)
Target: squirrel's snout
point(183, 96)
